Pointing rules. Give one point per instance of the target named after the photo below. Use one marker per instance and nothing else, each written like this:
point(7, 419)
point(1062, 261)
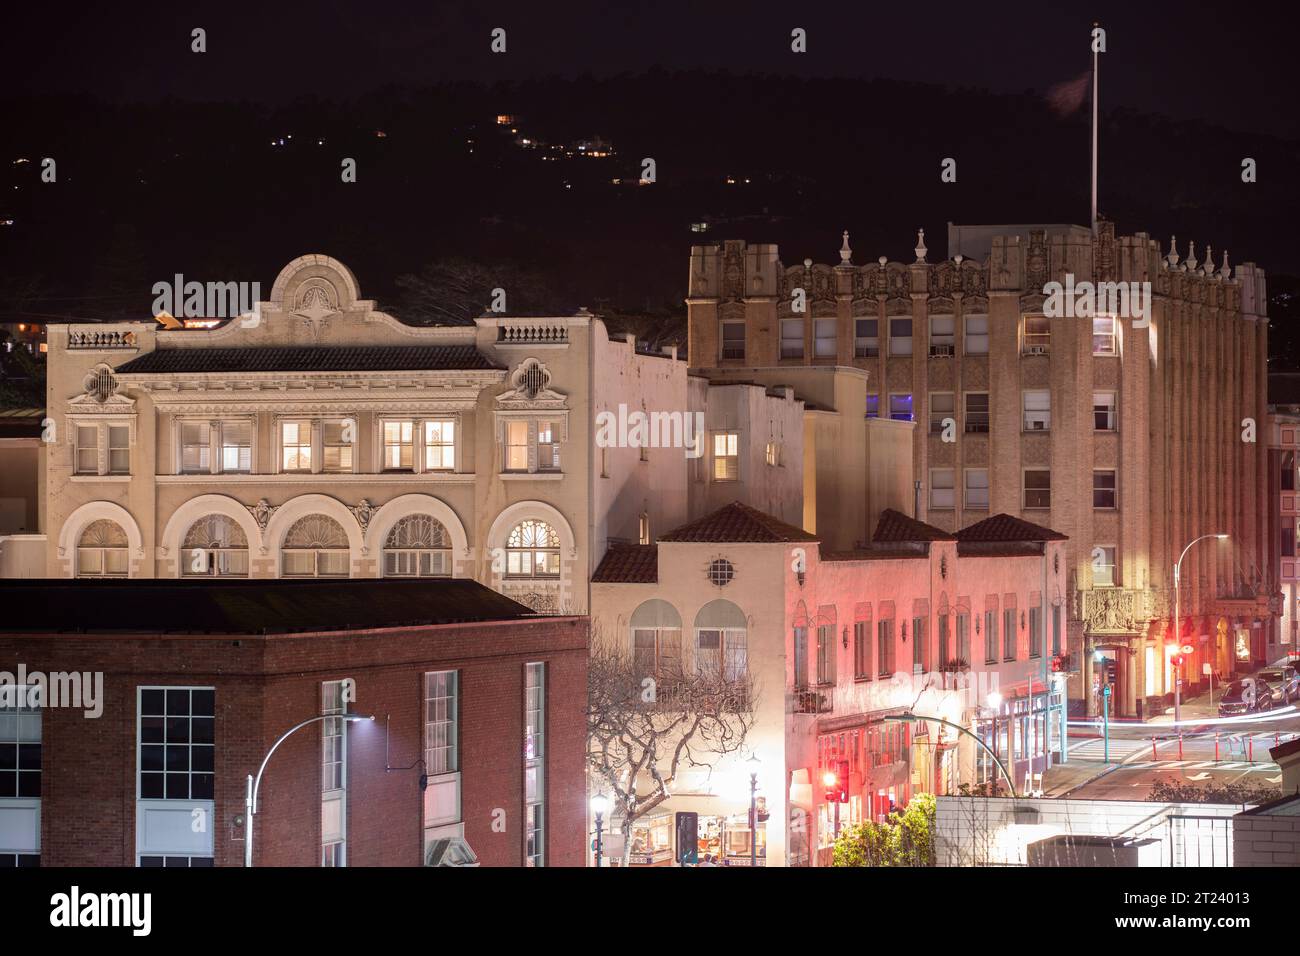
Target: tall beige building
point(1131, 436)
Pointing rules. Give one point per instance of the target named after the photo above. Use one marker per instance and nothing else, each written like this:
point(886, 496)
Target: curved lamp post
point(910, 718)
point(250, 800)
point(1178, 623)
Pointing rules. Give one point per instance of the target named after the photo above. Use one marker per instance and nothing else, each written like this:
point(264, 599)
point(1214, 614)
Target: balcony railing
point(533, 333)
point(809, 701)
point(101, 339)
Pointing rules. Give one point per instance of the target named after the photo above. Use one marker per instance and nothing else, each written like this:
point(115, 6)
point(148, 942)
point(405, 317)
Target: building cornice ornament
point(363, 513)
point(262, 512)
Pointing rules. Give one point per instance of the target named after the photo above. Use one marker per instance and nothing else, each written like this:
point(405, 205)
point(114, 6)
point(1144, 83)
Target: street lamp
point(911, 718)
point(1178, 622)
point(753, 763)
point(250, 799)
point(599, 804)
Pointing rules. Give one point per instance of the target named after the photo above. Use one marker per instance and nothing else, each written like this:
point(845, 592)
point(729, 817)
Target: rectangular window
point(1103, 335)
point(1105, 408)
point(873, 406)
point(963, 639)
point(20, 743)
point(726, 456)
point(87, 451)
point(772, 455)
point(236, 447)
point(334, 780)
point(900, 336)
point(885, 647)
point(977, 412)
point(176, 759)
point(440, 445)
point(733, 340)
point(942, 405)
point(900, 407)
point(399, 446)
point(945, 649)
point(1035, 632)
point(791, 338)
point(977, 334)
point(1037, 337)
point(942, 493)
point(862, 650)
point(1103, 567)
point(943, 337)
point(658, 651)
point(1103, 489)
point(295, 445)
point(535, 764)
point(516, 446)
point(800, 658)
point(1037, 410)
point(990, 636)
point(1288, 541)
point(920, 645)
point(866, 338)
point(1038, 488)
point(441, 723)
point(337, 450)
point(1056, 630)
point(824, 344)
point(977, 488)
point(119, 450)
point(548, 448)
point(196, 447)
point(1009, 634)
point(825, 654)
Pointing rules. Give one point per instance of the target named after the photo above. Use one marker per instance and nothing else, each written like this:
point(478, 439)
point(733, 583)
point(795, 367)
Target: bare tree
point(644, 728)
point(456, 291)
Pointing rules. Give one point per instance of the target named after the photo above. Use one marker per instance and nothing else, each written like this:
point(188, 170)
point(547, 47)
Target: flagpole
point(1094, 130)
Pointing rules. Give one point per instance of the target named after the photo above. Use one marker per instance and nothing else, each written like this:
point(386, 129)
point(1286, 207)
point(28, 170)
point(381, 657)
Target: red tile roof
point(1006, 528)
point(738, 523)
point(628, 564)
point(895, 526)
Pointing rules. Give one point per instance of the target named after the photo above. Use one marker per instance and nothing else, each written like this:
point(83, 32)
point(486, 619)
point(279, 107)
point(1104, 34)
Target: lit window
point(1103, 489)
point(548, 449)
point(1037, 406)
point(977, 488)
point(1103, 335)
point(977, 334)
point(334, 775)
point(535, 764)
point(418, 546)
point(115, 440)
point(102, 551)
point(315, 546)
point(873, 406)
point(942, 494)
point(236, 447)
point(773, 454)
point(1103, 566)
point(215, 546)
point(1038, 336)
point(399, 446)
point(533, 551)
point(295, 445)
point(119, 450)
point(643, 529)
point(1038, 488)
point(516, 446)
point(87, 451)
point(196, 448)
point(900, 407)
point(943, 336)
point(336, 451)
point(440, 445)
point(726, 456)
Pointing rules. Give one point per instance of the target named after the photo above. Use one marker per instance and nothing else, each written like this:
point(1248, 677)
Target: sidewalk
point(1202, 706)
point(1065, 777)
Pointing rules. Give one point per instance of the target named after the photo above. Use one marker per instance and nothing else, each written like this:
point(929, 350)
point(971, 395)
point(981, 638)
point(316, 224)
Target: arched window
point(215, 546)
point(721, 644)
point(315, 546)
point(417, 547)
point(102, 551)
point(657, 639)
point(533, 551)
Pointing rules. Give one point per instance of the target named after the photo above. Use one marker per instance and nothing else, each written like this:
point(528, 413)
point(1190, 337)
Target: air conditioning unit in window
point(941, 351)
point(1035, 349)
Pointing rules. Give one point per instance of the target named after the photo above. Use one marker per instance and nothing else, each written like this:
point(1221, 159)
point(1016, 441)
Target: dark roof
point(1007, 528)
point(1284, 806)
point(628, 564)
point(309, 358)
point(876, 554)
point(896, 526)
point(21, 422)
point(738, 523)
point(245, 606)
point(1286, 749)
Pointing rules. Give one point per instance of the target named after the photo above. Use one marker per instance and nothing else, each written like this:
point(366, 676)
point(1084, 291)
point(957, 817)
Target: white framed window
point(338, 446)
point(196, 448)
point(1037, 336)
point(942, 405)
point(942, 493)
point(825, 654)
point(418, 546)
point(657, 651)
point(315, 546)
point(548, 447)
point(86, 455)
point(535, 764)
point(900, 407)
point(296, 445)
point(900, 335)
point(516, 451)
point(977, 412)
point(1105, 411)
point(1037, 407)
point(977, 334)
point(177, 743)
point(533, 550)
point(726, 456)
point(1103, 335)
point(1104, 489)
point(943, 335)
point(399, 445)
point(334, 775)
point(866, 338)
point(1038, 488)
point(772, 455)
point(643, 529)
point(792, 334)
point(441, 780)
point(101, 448)
point(236, 447)
point(214, 546)
point(1104, 570)
point(977, 488)
point(102, 551)
point(214, 447)
point(824, 343)
point(20, 744)
point(440, 445)
point(733, 340)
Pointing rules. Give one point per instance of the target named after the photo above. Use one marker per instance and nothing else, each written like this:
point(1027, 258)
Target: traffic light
point(1177, 660)
point(836, 782)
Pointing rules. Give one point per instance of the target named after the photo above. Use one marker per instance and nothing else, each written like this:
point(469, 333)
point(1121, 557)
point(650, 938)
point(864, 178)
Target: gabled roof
point(628, 564)
point(245, 605)
point(738, 523)
point(1007, 528)
point(894, 526)
point(309, 358)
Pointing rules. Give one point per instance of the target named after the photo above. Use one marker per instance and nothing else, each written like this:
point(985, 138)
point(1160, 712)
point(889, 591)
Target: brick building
point(475, 751)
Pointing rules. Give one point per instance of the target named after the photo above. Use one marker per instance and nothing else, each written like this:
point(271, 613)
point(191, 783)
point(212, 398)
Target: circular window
point(721, 571)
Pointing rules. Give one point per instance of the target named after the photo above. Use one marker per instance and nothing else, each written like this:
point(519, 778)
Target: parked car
point(1249, 695)
point(1284, 682)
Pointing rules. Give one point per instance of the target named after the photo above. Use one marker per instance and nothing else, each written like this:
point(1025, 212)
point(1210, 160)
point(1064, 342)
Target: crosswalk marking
point(1260, 767)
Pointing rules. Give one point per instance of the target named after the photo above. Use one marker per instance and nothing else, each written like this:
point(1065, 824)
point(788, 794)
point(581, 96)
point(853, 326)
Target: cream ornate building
point(1133, 439)
point(319, 436)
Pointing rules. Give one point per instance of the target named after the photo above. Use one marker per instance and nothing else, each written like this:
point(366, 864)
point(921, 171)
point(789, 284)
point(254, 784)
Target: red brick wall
point(265, 685)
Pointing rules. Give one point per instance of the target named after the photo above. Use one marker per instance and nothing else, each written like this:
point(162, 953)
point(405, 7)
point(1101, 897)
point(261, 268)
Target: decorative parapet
point(533, 333)
point(100, 339)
